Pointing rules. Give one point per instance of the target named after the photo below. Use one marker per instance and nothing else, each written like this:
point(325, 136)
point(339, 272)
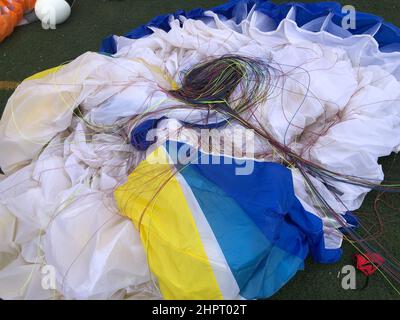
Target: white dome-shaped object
point(52, 12)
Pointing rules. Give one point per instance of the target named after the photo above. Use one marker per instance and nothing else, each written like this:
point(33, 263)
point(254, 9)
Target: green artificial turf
point(31, 49)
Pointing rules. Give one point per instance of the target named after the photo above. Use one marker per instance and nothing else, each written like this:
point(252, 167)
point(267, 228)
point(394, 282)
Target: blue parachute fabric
point(352, 222)
point(267, 196)
point(139, 136)
point(388, 35)
point(261, 227)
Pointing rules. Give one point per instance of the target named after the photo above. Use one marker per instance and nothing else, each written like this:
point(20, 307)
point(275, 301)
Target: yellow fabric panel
point(168, 231)
point(44, 73)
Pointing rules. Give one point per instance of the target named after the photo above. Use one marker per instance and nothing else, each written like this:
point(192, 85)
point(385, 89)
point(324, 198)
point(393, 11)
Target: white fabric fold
point(65, 140)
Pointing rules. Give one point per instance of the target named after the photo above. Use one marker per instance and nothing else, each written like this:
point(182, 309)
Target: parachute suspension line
point(232, 85)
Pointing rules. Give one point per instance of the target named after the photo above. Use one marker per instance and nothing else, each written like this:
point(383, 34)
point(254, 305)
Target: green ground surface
point(31, 49)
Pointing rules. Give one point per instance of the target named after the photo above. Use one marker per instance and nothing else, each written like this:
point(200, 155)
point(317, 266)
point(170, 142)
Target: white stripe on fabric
point(226, 281)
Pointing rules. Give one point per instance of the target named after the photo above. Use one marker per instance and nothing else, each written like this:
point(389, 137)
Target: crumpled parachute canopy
point(314, 17)
point(67, 138)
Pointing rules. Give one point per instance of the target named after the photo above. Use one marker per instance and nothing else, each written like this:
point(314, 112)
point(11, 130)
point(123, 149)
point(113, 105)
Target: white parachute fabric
point(56, 198)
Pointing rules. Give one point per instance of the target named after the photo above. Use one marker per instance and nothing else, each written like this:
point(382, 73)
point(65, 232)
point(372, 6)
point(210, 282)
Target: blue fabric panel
point(388, 36)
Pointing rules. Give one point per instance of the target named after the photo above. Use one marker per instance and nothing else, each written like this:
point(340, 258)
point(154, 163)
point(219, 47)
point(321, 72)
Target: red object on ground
point(11, 12)
point(368, 263)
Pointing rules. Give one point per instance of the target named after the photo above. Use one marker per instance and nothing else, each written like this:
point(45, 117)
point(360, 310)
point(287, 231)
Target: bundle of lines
point(231, 85)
